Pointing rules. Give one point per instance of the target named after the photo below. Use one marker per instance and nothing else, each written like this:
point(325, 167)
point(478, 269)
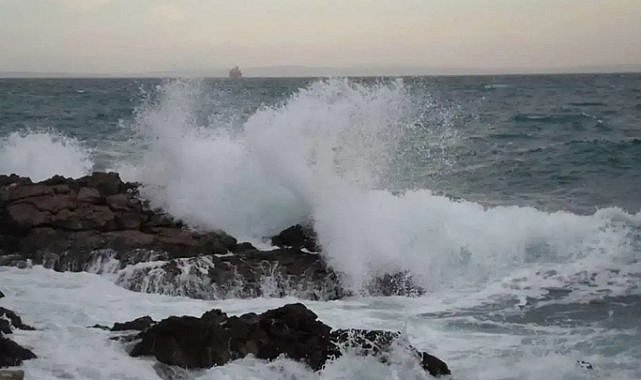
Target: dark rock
point(6, 180)
point(12, 320)
point(297, 236)
point(1, 294)
point(291, 330)
point(434, 365)
point(243, 247)
point(101, 327)
point(106, 183)
point(88, 195)
point(187, 342)
point(139, 324)
point(214, 316)
point(12, 354)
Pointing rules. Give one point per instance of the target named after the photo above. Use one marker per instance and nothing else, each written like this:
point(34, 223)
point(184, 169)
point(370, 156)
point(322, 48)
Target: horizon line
point(328, 72)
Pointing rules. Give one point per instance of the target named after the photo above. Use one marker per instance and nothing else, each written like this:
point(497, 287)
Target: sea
point(514, 201)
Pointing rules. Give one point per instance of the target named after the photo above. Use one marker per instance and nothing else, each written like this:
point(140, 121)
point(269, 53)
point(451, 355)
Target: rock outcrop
point(94, 212)
point(292, 330)
point(99, 223)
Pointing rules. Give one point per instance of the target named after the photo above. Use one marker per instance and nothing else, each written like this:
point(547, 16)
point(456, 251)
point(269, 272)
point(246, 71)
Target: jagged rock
point(93, 212)
point(139, 324)
point(297, 236)
point(10, 319)
point(12, 354)
point(13, 374)
point(291, 330)
point(1, 294)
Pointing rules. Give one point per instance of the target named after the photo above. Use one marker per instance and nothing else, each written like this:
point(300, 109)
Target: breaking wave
point(328, 154)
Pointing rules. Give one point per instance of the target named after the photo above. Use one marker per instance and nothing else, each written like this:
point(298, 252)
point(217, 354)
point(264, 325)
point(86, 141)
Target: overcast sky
point(133, 36)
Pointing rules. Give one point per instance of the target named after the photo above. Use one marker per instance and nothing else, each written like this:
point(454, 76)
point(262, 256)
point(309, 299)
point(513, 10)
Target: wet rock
point(379, 343)
point(292, 330)
point(12, 354)
point(139, 324)
point(13, 374)
point(297, 236)
point(1, 294)
point(9, 319)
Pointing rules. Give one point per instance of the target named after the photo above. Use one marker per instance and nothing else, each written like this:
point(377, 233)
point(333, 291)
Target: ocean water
point(514, 201)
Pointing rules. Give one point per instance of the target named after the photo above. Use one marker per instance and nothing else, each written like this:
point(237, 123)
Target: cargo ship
point(235, 73)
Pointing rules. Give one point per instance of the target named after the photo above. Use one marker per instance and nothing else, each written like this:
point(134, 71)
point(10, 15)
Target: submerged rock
point(292, 330)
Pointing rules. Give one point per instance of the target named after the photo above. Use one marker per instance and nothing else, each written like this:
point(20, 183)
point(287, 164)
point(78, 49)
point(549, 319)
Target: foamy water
point(62, 305)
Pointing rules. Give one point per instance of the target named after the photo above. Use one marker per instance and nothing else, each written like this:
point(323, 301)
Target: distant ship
point(235, 73)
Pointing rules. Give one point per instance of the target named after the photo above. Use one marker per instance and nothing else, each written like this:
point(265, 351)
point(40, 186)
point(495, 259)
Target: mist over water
point(513, 216)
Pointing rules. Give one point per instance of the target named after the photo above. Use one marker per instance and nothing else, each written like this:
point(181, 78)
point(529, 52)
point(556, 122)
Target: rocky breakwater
point(99, 223)
point(292, 331)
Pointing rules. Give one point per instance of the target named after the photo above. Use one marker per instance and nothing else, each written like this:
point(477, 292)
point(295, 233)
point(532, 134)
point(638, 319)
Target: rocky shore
point(100, 224)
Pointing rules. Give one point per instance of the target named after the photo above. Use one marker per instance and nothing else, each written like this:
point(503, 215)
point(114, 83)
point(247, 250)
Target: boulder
point(12, 354)
point(292, 330)
point(297, 236)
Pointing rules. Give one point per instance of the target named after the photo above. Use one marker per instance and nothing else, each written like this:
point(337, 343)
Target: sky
point(287, 37)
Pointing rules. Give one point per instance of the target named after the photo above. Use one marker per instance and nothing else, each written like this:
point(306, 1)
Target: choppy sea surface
point(513, 200)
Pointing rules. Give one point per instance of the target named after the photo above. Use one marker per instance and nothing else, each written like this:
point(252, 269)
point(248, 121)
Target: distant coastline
point(312, 72)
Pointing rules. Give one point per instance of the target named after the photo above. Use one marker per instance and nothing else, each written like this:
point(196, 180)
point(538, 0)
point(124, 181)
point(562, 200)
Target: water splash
point(330, 154)
point(40, 155)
